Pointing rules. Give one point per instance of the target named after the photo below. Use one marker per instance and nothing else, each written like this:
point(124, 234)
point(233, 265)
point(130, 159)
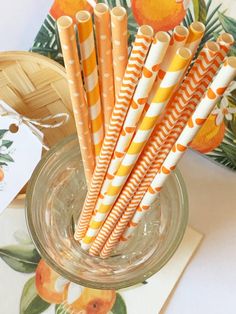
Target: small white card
point(20, 152)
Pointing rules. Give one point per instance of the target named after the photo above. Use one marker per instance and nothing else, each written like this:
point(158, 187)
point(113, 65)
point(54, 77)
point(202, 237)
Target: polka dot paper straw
point(186, 90)
point(119, 22)
point(214, 92)
point(149, 72)
point(104, 51)
point(175, 71)
point(178, 39)
point(88, 56)
point(79, 105)
point(130, 81)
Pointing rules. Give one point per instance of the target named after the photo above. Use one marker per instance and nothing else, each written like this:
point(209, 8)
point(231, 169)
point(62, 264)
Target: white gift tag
point(20, 152)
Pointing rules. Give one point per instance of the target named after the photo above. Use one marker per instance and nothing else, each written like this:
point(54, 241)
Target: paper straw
point(200, 68)
point(79, 105)
point(149, 73)
point(119, 22)
point(130, 81)
point(88, 56)
point(175, 71)
point(216, 90)
point(178, 40)
point(104, 50)
point(196, 32)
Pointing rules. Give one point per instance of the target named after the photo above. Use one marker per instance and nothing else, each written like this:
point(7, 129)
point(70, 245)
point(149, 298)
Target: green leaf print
point(22, 258)
point(6, 157)
point(30, 302)
point(2, 133)
point(61, 309)
point(6, 143)
point(200, 11)
point(228, 23)
point(119, 307)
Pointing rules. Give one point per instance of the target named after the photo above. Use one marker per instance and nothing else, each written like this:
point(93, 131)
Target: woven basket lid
point(36, 86)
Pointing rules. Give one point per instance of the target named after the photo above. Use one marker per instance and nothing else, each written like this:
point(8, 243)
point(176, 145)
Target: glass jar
point(55, 196)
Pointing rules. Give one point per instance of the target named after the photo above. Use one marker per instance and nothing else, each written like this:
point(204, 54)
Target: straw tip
point(118, 12)
point(231, 61)
point(101, 8)
point(83, 16)
point(184, 52)
point(198, 27)
point(64, 22)
point(146, 30)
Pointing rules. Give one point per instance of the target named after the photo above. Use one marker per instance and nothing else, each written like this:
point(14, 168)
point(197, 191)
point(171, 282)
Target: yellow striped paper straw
point(104, 50)
point(149, 73)
point(196, 74)
point(70, 55)
point(178, 40)
point(130, 81)
point(214, 92)
point(147, 125)
point(196, 32)
point(88, 56)
point(119, 24)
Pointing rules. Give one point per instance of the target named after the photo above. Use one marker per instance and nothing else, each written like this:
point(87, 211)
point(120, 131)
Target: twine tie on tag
point(41, 122)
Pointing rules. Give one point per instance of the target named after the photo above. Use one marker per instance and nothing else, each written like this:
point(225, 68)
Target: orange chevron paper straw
point(130, 81)
point(79, 105)
point(104, 51)
point(171, 79)
point(119, 24)
point(88, 56)
point(149, 73)
point(178, 39)
point(186, 91)
point(196, 32)
point(214, 92)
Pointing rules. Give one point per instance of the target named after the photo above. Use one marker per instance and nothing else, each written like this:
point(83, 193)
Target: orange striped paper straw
point(130, 81)
point(149, 73)
point(79, 105)
point(104, 50)
point(147, 125)
point(196, 32)
point(178, 40)
point(201, 67)
point(88, 56)
point(119, 24)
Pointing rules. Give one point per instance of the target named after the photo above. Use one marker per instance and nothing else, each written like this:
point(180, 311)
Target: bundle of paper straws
point(135, 116)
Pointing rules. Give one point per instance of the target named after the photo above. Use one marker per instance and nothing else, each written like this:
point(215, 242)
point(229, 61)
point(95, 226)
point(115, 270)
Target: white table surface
point(209, 283)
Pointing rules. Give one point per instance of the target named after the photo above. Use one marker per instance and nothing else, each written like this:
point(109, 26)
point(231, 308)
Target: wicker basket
point(36, 86)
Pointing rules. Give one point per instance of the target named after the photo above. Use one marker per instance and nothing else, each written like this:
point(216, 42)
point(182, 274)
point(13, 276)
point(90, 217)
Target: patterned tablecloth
point(29, 286)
